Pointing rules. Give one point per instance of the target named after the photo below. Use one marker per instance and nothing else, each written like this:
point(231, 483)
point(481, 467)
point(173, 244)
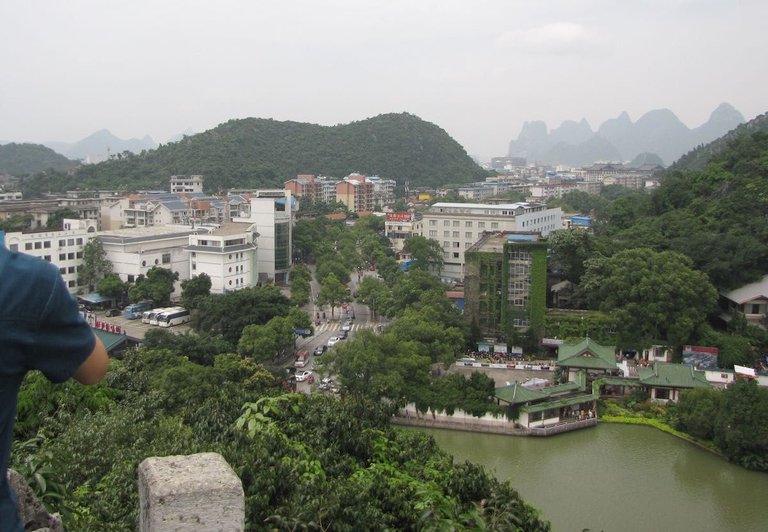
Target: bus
point(173, 317)
point(154, 314)
point(147, 315)
point(136, 310)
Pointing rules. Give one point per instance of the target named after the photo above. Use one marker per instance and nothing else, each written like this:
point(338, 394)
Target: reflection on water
point(620, 477)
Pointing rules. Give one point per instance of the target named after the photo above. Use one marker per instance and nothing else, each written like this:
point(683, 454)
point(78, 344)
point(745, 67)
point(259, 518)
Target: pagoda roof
point(587, 354)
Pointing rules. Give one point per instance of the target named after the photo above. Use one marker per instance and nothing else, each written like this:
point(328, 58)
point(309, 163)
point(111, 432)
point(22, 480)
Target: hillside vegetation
point(24, 159)
point(255, 152)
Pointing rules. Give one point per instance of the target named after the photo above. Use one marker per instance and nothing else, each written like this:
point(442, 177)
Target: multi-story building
point(400, 226)
point(186, 183)
point(38, 210)
point(272, 213)
point(227, 254)
point(356, 192)
point(505, 285)
point(383, 190)
point(457, 226)
point(134, 251)
point(62, 248)
point(305, 186)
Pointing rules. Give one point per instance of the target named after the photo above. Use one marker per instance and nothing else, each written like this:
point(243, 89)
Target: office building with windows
point(458, 226)
point(226, 254)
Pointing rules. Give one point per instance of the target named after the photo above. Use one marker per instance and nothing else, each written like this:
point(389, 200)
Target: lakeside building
point(505, 284)
point(457, 226)
point(272, 212)
point(227, 255)
point(62, 248)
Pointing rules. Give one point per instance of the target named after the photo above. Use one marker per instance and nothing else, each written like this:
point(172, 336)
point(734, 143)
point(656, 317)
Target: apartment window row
point(69, 256)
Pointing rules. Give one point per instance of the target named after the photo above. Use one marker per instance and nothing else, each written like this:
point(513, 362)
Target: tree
point(653, 295)
point(95, 264)
point(426, 253)
point(569, 250)
point(425, 326)
point(742, 427)
point(698, 410)
point(111, 286)
point(332, 292)
point(157, 285)
point(55, 220)
point(194, 289)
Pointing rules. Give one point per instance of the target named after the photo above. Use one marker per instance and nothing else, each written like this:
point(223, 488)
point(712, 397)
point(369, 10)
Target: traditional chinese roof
point(519, 394)
point(672, 376)
point(587, 354)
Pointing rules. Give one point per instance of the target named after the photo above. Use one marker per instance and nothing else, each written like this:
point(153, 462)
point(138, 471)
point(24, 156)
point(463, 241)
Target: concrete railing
point(194, 493)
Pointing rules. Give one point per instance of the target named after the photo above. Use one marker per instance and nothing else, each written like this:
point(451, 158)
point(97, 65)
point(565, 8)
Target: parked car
point(347, 326)
point(113, 312)
point(333, 340)
point(302, 376)
point(342, 334)
point(319, 350)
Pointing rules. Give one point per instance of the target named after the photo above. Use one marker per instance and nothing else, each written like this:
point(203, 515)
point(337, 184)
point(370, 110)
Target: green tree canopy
point(195, 289)
point(157, 285)
point(95, 264)
point(332, 292)
point(426, 253)
point(654, 295)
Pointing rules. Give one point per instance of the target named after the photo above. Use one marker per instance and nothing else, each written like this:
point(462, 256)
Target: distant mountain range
point(100, 146)
point(657, 132)
point(25, 159)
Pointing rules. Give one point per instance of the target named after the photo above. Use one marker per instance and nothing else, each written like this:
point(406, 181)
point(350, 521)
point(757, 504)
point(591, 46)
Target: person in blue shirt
point(40, 329)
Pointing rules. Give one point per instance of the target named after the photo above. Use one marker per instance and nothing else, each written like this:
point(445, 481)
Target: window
point(62, 271)
point(72, 284)
point(131, 278)
point(14, 247)
point(79, 254)
point(70, 241)
point(62, 243)
point(143, 263)
point(446, 233)
point(468, 234)
point(467, 224)
point(194, 266)
point(432, 232)
point(446, 223)
point(432, 223)
point(166, 258)
point(38, 245)
point(457, 244)
point(70, 256)
point(755, 308)
point(456, 234)
point(156, 262)
point(62, 256)
point(481, 225)
point(71, 269)
point(494, 225)
point(28, 246)
point(47, 244)
point(456, 223)
point(48, 258)
point(455, 255)
point(446, 244)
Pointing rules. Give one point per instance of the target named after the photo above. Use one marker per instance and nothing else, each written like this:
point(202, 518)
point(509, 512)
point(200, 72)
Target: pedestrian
point(41, 328)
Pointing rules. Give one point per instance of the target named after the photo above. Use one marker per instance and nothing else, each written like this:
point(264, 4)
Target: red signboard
point(399, 217)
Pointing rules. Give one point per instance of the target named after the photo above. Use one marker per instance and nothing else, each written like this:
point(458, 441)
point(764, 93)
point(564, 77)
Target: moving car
point(319, 350)
point(347, 326)
point(332, 341)
point(342, 335)
point(302, 376)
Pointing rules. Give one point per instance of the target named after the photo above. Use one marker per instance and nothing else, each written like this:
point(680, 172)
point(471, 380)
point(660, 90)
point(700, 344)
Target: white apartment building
point(134, 251)
point(186, 183)
point(272, 213)
point(62, 248)
point(400, 226)
point(226, 254)
point(456, 226)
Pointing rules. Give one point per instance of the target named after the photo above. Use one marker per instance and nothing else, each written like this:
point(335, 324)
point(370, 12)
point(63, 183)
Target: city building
point(505, 285)
point(134, 251)
point(400, 226)
point(186, 183)
point(751, 301)
point(356, 192)
point(305, 186)
point(272, 212)
point(226, 254)
point(62, 248)
point(457, 226)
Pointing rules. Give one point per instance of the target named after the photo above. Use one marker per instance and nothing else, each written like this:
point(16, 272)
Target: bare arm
point(94, 367)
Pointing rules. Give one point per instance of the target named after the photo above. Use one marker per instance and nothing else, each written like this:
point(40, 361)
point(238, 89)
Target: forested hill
point(255, 152)
point(23, 159)
point(699, 157)
point(716, 216)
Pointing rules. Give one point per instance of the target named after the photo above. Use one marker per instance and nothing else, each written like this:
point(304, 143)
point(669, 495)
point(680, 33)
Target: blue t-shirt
point(40, 328)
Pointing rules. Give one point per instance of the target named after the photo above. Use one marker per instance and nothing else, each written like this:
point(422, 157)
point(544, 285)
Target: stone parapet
point(194, 493)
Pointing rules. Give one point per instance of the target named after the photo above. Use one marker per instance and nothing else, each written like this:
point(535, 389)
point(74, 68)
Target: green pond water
point(620, 478)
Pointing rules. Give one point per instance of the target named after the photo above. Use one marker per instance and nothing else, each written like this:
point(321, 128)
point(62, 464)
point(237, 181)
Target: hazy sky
point(476, 68)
